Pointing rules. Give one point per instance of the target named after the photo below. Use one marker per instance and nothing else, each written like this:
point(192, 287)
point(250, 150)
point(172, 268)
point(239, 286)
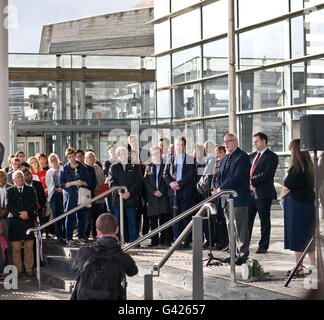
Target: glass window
point(298, 82)
point(164, 104)
point(265, 45)
point(297, 37)
point(272, 124)
point(315, 81)
point(216, 129)
point(180, 4)
point(296, 5)
point(314, 29)
point(163, 71)
point(186, 101)
point(215, 57)
point(161, 8)
point(215, 19)
point(254, 11)
point(262, 89)
point(186, 65)
point(186, 28)
point(162, 36)
point(215, 97)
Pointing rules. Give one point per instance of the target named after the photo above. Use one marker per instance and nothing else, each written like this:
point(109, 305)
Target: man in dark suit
point(234, 174)
point(123, 173)
point(158, 206)
point(21, 204)
point(263, 168)
point(179, 175)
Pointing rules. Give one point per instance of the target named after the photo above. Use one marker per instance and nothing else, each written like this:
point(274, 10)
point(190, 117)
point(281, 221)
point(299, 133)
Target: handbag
point(84, 195)
point(102, 188)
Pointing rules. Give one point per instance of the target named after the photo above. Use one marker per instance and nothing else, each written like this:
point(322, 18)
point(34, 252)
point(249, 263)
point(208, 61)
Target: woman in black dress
point(299, 210)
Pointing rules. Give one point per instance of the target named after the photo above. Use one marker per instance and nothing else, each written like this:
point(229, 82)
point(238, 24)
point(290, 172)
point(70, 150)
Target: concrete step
point(52, 248)
point(61, 264)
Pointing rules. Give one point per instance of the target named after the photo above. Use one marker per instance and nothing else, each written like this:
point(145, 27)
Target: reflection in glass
point(215, 97)
point(298, 82)
point(272, 124)
point(186, 28)
point(215, 57)
point(216, 129)
point(265, 45)
point(163, 104)
point(262, 89)
point(186, 101)
point(254, 11)
point(186, 65)
point(215, 15)
point(315, 81)
point(314, 29)
point(163, 71)
point(162, 36)
point(297, 37)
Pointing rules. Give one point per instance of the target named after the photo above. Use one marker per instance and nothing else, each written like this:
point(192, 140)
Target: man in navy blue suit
point(179, 174)
point(263, 168)
point(234, 174)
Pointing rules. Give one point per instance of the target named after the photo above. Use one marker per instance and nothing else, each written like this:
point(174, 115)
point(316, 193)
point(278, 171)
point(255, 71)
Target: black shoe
point(226, 260)
point(186, 245)
point(152, 245)
point(240, 260)
point(261, 250)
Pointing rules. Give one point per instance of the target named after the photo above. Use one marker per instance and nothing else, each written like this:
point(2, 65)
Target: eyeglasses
point(228, 141)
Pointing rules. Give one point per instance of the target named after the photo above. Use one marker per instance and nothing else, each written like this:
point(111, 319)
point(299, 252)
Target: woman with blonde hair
point(55, 194)
point(37, 171)
point(299, 210)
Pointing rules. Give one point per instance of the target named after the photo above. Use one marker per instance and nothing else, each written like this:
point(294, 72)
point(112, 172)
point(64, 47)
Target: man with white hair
point(21, 204)
point(234, 173)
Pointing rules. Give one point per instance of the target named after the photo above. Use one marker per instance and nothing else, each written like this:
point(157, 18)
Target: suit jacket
point(40, 193)
point(263, 175)
point(17, 226)
point(156, 205)
point(131, 178)
point(187, 183)
point(236, 177)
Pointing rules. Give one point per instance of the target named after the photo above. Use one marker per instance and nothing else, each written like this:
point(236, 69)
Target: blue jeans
point(70, 221)
point(56, 204)
point(131, 217)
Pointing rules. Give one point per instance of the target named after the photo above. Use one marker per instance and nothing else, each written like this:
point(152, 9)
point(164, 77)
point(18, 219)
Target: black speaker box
point(312, 132)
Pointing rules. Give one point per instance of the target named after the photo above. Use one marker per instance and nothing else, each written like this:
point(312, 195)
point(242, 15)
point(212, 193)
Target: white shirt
point(3, 191)
point(262, 152)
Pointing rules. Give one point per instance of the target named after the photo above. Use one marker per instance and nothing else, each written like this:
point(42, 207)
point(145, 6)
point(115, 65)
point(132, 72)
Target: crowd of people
point(173, 180)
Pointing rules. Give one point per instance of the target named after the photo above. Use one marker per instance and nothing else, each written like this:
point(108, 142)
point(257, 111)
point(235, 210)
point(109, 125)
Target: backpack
point(100, 278)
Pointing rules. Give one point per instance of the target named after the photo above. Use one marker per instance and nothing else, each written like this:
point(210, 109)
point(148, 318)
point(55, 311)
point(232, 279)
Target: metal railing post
point(121, 218)
point(232, 238)
point(148, 287)
point(38, 259)
point(197, 259)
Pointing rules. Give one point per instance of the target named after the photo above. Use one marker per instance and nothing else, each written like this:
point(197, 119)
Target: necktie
point(20, 192)
point(227, 162)
point(254, 164)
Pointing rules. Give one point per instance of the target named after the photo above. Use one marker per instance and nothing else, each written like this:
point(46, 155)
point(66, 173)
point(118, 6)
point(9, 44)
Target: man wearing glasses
point(234, 173)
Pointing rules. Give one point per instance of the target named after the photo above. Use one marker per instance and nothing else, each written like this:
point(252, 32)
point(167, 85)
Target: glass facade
point(273, 90)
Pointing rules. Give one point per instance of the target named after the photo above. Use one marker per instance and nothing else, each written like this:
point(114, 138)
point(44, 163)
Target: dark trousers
point(166, 235)
point(96, 210)
point(263, 208)
point(182, 204)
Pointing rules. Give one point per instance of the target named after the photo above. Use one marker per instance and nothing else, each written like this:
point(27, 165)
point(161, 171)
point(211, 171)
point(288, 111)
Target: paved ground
point(277, 261)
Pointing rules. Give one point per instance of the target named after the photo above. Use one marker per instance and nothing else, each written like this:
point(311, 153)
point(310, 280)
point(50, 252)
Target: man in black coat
point(21, 204)
point(179, 174)
point(263, 168)
point(126, 174)
point(107, 246)
point(158, 206)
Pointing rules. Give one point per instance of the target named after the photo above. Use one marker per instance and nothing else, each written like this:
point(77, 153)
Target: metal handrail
point(180, 217)
point(202, 206)
point(80, 206)
point(77, 208)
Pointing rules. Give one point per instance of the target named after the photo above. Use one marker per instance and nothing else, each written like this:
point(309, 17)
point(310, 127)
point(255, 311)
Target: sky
point(27, 17)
